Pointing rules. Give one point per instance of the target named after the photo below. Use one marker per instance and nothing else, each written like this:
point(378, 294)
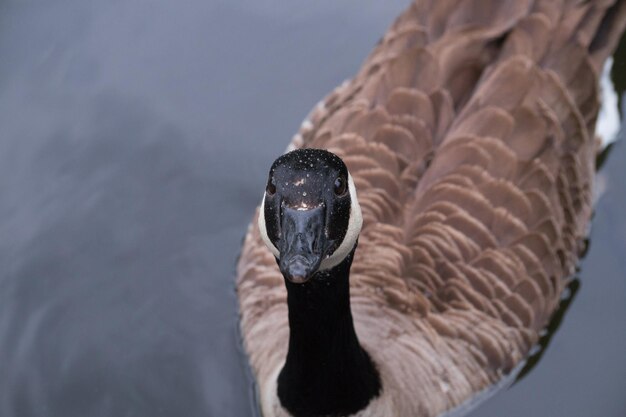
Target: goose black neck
point(327, 372)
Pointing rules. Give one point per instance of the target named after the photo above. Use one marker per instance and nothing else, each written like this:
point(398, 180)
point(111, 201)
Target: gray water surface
point(135, 137)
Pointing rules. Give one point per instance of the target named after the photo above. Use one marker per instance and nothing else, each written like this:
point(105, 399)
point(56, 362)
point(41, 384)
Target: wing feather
point(469, 132)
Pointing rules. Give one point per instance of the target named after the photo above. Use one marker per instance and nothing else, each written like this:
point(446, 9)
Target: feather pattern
point(469, 134)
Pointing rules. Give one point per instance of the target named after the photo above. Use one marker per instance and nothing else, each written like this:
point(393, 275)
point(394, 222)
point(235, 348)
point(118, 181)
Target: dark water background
point(135, 137)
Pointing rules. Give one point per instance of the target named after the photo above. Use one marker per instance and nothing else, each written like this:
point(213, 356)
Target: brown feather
point(469, 134)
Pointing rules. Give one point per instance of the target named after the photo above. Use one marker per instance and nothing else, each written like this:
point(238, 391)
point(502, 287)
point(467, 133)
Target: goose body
point(468, 135)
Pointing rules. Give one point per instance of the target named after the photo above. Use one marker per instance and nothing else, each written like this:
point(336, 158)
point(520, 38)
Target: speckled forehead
point(306, 173)
point(308, 160)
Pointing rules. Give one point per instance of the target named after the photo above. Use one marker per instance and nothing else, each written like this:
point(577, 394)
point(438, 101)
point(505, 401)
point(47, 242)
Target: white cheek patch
point(352, 234)
point(263, 230)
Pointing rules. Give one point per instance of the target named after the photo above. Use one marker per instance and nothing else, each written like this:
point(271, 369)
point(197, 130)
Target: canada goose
point(468, 136)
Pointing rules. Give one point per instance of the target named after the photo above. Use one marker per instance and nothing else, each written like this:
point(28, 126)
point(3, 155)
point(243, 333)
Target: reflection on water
point(134, 139)
point(618, 72)
point(555, 322)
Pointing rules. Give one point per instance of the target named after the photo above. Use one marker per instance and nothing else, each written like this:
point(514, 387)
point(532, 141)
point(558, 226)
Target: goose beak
point(302, 244)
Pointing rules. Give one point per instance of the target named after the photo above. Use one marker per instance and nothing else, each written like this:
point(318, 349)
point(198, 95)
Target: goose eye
point(341, 186)
point(271, 186)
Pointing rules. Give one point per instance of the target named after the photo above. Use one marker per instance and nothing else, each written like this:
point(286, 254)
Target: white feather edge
point(263, 230)
point(352, 234)
point(608, 124)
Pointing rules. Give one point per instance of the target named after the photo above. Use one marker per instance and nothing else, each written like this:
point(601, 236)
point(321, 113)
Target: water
point(135, 137)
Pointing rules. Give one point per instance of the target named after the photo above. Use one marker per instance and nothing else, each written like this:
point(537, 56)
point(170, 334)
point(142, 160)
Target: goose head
point(310, 217)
